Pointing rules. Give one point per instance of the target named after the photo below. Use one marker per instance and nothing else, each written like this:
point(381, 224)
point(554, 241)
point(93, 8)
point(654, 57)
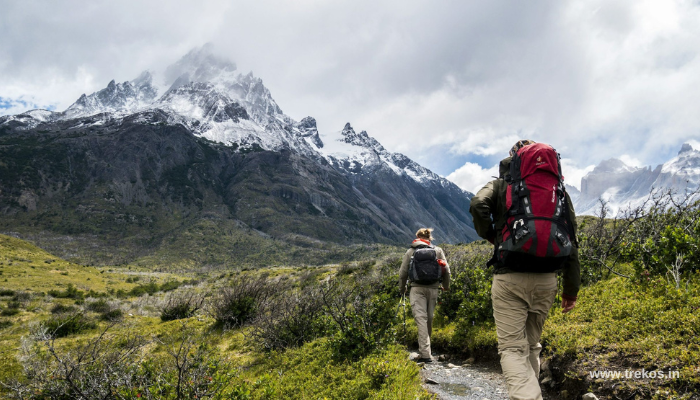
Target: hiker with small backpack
point(425, 266)
point(528, 216)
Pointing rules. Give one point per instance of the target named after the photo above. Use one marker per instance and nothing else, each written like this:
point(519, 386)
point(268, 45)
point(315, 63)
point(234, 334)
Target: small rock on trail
point(464, 381)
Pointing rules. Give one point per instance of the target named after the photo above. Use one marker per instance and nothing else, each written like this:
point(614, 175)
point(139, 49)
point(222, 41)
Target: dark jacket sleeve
point(571, 276)
point(482, 204)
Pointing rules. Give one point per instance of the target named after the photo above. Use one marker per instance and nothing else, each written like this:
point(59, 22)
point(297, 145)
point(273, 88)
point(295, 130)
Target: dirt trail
point(456, 381)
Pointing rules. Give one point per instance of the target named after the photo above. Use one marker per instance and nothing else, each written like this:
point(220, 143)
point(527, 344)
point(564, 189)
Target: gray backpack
point(424, 268)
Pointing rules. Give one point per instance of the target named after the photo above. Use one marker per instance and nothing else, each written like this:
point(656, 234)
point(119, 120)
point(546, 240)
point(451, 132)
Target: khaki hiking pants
point(521, 302)
point(423, 302)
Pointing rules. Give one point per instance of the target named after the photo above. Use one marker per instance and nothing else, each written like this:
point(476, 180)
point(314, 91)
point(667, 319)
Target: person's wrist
point(567, 297)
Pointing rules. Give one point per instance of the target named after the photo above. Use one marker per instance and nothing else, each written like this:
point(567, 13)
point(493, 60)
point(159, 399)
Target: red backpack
point(538, 233)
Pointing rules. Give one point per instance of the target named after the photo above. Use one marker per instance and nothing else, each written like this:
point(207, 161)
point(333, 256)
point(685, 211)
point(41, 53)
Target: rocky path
point(455, 380)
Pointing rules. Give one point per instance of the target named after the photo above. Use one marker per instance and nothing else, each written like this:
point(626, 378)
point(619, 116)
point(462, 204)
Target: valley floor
point(319, 332)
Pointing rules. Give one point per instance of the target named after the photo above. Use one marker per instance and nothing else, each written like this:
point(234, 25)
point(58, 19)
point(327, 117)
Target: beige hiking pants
point(521, 302)
point(423, 302)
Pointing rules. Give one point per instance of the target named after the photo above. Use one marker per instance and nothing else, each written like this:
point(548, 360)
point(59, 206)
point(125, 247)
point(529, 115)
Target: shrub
point(70, 293)
point(7, 292)
point(62, 309)
point(99, 306)
point(169, 286)
point(8, 312)
point(14, 304)
point(362, 319)
point(62, 325)
point(5, 324)
point(112, 315)
point(242, 301)
point(140, 290)
point(469, 296)
point(22, 297)
point(295, 318)
point(101, 368)
point(181, 305)
point(659, 237)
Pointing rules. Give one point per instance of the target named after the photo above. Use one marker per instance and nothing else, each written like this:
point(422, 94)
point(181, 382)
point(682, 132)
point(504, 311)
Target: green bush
point(62, 325)
point(112, 315)
point(8, 312)
point(240, 302)
point(363, 319)
point(140, 290)
point(62, 309)
point(296, 318)
point(658, 238)
point(469, 297)
point(181, 305)
point(99, 306)
point(22, 297)
point(70, 293)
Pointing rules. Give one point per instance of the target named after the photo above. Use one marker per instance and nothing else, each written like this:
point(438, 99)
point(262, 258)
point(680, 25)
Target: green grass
point(310, 372)
point(618, 325)
point(24, 266)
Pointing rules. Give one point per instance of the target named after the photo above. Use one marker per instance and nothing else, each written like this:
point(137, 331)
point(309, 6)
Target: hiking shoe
point(424, 360)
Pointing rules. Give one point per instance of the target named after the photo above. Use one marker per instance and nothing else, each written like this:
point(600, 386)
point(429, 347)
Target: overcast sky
point(451, 84)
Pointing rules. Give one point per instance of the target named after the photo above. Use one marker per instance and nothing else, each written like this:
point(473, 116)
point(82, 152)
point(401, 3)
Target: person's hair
point(425, 233)
point(519, 145)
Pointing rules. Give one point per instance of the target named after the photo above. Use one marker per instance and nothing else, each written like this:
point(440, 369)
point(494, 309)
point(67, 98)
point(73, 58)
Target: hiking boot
point(424, 360)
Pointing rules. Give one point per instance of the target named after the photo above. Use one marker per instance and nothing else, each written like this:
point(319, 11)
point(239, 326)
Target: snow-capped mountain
point(209, 97)
point(621, 185)
point(208, 141)
point(125, 97)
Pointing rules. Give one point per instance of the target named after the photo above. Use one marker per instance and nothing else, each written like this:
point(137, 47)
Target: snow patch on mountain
point(126, 97)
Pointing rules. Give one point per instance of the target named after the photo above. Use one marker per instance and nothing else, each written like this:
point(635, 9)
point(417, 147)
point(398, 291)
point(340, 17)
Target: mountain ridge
point(116, 164)
point(621, 185)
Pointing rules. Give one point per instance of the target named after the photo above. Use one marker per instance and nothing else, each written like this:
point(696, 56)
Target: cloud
point(595, 78)
point(573, 173)
point(16, 106)
point(472, 177)
point(631, 160)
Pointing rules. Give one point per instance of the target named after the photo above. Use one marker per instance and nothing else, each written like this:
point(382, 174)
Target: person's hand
point(567, 305)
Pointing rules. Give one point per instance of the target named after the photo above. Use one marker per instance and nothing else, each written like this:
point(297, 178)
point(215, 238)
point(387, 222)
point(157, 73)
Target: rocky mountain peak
point(361, 139)
point(307, 129)
point(612, 165)
point(126, 96)
point(685, 148)
point(203, 102)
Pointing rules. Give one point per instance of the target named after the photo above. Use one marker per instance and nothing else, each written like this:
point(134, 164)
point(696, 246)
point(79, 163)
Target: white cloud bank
point(594, 78)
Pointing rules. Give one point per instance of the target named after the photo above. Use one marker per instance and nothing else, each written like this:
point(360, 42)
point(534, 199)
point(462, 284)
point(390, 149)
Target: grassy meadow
point(331, 331)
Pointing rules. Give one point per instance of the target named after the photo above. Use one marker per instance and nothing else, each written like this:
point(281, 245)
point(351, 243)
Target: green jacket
point(488, 209)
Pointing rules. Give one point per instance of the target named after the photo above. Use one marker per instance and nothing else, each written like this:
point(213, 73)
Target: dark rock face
point(139, 178)
point(307, 129)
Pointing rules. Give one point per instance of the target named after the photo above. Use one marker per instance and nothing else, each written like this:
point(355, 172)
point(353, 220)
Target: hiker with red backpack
point(425, 266)
point(528, 216)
